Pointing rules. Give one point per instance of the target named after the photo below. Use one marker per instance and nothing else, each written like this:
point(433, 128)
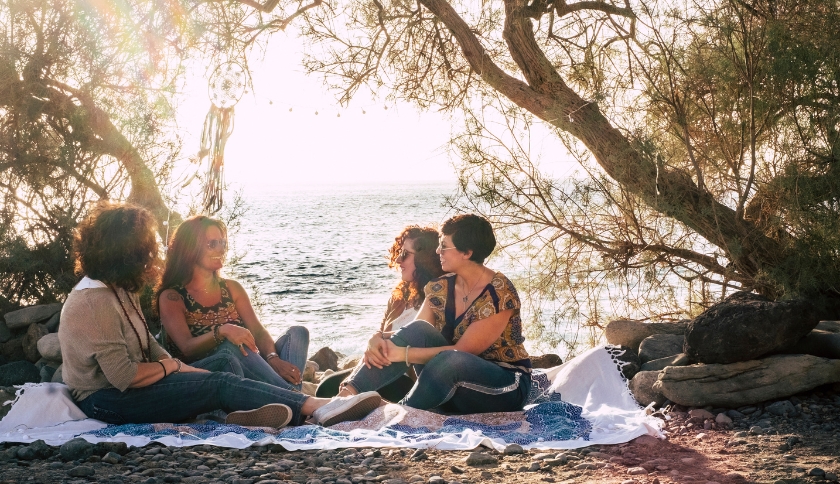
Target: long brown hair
point(426, 263)
point(117, 244)
point(184, 251)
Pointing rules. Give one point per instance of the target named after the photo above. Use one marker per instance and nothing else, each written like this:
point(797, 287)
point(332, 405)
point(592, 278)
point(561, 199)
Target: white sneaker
point(342, 409)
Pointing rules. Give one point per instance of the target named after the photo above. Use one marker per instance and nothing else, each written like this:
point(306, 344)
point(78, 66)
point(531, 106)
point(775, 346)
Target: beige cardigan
point(98, 348)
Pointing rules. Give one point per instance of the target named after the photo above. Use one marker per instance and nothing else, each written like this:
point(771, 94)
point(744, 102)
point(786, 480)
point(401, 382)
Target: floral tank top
point(497, 296)
point(202, 319)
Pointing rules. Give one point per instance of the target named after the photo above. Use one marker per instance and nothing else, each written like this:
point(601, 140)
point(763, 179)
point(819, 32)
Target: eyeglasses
point(441, 248)
point(404, 253)
point(213, 243)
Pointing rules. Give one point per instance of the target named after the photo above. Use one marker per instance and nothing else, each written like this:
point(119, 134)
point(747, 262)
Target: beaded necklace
point(145, 353)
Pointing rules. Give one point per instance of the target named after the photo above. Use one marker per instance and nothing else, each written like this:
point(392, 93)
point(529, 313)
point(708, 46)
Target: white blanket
point(588, 403)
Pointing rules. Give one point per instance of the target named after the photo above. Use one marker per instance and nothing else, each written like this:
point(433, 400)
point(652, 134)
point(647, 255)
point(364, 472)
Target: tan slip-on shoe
point(343, 409)
point(275, 415)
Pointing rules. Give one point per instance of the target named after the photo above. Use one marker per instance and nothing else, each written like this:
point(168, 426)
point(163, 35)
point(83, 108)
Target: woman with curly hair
point(413, 253)
point(467, 344)
point(204, 314)
point(116, 370)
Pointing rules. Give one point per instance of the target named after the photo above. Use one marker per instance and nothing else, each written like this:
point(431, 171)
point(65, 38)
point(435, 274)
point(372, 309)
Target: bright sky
point(362, 143)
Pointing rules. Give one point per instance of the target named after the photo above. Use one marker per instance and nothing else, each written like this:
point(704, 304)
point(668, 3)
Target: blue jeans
point(455, 381)
point(291, 346)
point(184, 395)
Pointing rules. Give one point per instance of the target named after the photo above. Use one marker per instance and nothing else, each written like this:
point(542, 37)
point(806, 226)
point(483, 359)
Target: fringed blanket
point(581, 403)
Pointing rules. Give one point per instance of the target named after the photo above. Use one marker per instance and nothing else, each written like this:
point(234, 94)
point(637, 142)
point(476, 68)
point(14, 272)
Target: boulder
point(46, 373)
point(628, 360)
point(746, 326)
point(57, 376)
point(30, 341)
point(829, 326)
point(5, 333)
point(350, 363)
point(309, 371)
point(33, 314)
point(624, 332)
point(52, 323)
point(548, 360)
point(659, 346)
point(326, 359)
point(5, 396)
point(12, 350)
point(49, 347)
point(76, 449)
point(817, 343)
point(18, 373)
point(660, 364)
point(782, 408)
point(739, 384)
point(642, 387)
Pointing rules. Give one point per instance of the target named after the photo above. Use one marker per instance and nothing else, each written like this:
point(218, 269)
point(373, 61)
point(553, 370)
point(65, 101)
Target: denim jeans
point(184, 395)
point(455, 381)
point(291, 346)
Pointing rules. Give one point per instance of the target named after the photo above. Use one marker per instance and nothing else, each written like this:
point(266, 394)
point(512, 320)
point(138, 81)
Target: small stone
point(629, 481)
point(782, 408)
point(112, 458)
point(486, 475)
point(49, 347)
point(76, 449)
point(701, 436)
point(81, 471)
point(700, 413)
point(723, 419)
point(542, 456)
point(637, 471)
point(415, 478)
point(688, 460)
point(816, 471)
point(456, 469)
point(480, 458)
point(512, 449)
point(756, 430)
point(535, 466)
point(437, 480)
point(586, 465)
point(830, 476)
point(419, 454)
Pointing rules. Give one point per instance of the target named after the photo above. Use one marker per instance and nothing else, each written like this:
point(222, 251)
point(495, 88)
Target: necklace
point(467, 295)
point(146, 353)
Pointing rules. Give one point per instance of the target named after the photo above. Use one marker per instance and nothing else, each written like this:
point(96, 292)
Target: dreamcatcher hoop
point(224, 88)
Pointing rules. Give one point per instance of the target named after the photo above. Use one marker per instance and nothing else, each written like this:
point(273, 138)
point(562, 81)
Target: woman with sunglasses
point(413, 253)
point(467, 344)
point(204, 314)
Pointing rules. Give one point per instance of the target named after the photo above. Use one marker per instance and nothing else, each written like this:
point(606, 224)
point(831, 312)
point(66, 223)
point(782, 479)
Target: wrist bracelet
point(382, 334)
point(179, 366)
point(271, 355)
point(406, 355)
point(164, 368)
point(216, 336)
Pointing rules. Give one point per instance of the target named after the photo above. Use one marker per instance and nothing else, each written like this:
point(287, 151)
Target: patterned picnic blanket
point(582, 402)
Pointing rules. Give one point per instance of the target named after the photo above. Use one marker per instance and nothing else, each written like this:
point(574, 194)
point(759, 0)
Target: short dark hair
point(471, 232)
point(117, 244)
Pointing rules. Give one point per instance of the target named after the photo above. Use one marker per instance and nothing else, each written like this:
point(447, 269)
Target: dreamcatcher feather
point(226, 86)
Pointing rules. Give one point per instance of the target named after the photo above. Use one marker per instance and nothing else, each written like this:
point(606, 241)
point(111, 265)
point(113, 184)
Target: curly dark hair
point(426, 262)
point(184, 251)
point(117, 244)
point(471, 232)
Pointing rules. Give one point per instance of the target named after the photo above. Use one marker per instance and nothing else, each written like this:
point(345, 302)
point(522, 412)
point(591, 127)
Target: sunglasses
point(212, 244)
point(403, 255)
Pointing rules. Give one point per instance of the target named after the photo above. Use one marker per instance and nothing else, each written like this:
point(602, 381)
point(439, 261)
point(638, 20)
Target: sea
point(316, 255)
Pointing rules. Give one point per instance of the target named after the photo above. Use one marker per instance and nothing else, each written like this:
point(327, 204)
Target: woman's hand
point(286, 370)
point(376, 355)
point(396, 354)
point(191, 369)
point(239, 336)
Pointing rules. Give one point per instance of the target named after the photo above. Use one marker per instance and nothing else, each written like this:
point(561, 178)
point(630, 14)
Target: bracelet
point(216, 336)
point(382, 334)
point(406, 355)
point(177, 370)
point(271, 355)
point(164, 368)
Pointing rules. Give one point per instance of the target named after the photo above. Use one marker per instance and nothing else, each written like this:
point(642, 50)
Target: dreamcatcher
point(225, 88)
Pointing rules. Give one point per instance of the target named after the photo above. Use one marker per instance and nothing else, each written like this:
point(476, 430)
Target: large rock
point(309, 371)
point(326, 359)
point(744, 383)
point(817, 343)
point(659, 346)
point(630, 333)
point(49, 348)
point(642, 387)
point(548, 360)
point(18, 373)
point(52, 323)
point(829, 326)
point(5, 396)
point(627, 359)
point(33, 314)
point(12, 350)
point(746, 326)
point(5, 333)
point(661, 363)
point(57, 376)
point(30, 341)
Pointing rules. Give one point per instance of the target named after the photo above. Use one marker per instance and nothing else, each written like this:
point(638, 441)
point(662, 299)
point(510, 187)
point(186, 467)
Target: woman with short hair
point(467, 344)
point(204, 314)
point(116, 370)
